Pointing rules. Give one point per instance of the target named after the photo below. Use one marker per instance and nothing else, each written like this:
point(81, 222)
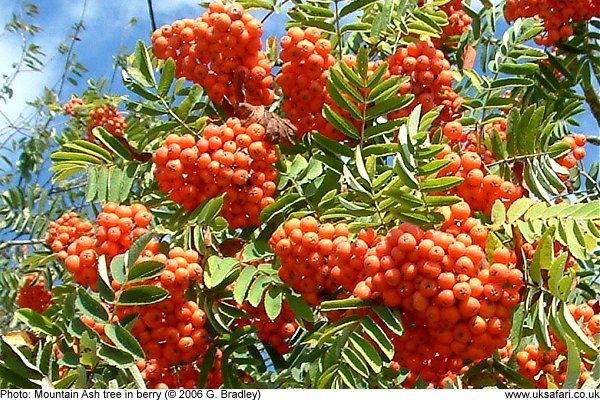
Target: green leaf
point(498, 213)
point(344, 304)
point(90, 306)
point(332, 146)
point(300, 308)
point(385, 89)
point(541, 324)
point(555, 274)
point(111, 142)
point(353, 6)
point(17, 362)
point(115, 178)
point(217, 269)
point(573, 366)
point(257, 289)
point(124, 340)
point(383, 128)
point(115, 356)
point(404, 173)
point(355, 362)
point(543, 255)
point(166, 79)
point(568, 323)
point(518, 320)
point(367, 351)
point(336, 78)
point(273, 302)
point(511, 82)
point(519, 69)
point(432, 167)
point(376, 78)
point(37, 321)
point(379, 337)
point(67, 381)
point(382, 18)
point(340, 123)
point(135, 251)
point(117, 268)
point(391, 320)
point(90, 148)
point(387, 106)
point(88, 349)
point(210, 210)
point(141, 62)
point(360, 165)
point(512, 375)
point(343, 101)
point(280, 205)
point(352, 182)
point(243, 283)
point(59, 156)
point(529, 129)
point(207, 363)
point(141, 295)
point(438, 201)
point(145, 270)
point(439, 184)
point(518, 208)
point(137, 377)
point(16, 380)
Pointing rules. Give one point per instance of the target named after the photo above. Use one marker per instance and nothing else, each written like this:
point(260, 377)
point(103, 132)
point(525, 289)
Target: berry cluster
point(33, 294)
point(577, 143)
point(65, 230)
point(533, 359)
point(72, 105)
point(118, 226)
point(82, 261)
point(558, 15)
point(183, 377)
point(430, 79)
point(480, 189)
point(348, 257)
point(456, 306)
point(303, 80)
point(172, 331)
point(274, 332)
point(159, 377)
point(212, 49)
point(458, 22)
point(470, 140)
point(107, 117)
point(234, 159)
point(305, 247)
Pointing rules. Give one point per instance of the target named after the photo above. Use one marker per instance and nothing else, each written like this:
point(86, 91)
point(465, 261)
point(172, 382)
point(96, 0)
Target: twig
point(151, 12)
point(24, 242)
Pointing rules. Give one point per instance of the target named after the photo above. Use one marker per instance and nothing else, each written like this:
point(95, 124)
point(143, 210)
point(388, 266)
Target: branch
point(24, 242)
point(593, 99)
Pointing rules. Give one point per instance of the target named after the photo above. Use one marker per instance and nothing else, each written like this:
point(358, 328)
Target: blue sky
point(107, 30)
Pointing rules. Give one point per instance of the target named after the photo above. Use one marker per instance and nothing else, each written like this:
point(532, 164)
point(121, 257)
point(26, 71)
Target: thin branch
point(151, 12)
point(78, 28)
point(24, 242)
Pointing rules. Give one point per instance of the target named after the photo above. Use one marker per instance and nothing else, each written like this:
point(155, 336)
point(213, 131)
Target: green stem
point(516, 158)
